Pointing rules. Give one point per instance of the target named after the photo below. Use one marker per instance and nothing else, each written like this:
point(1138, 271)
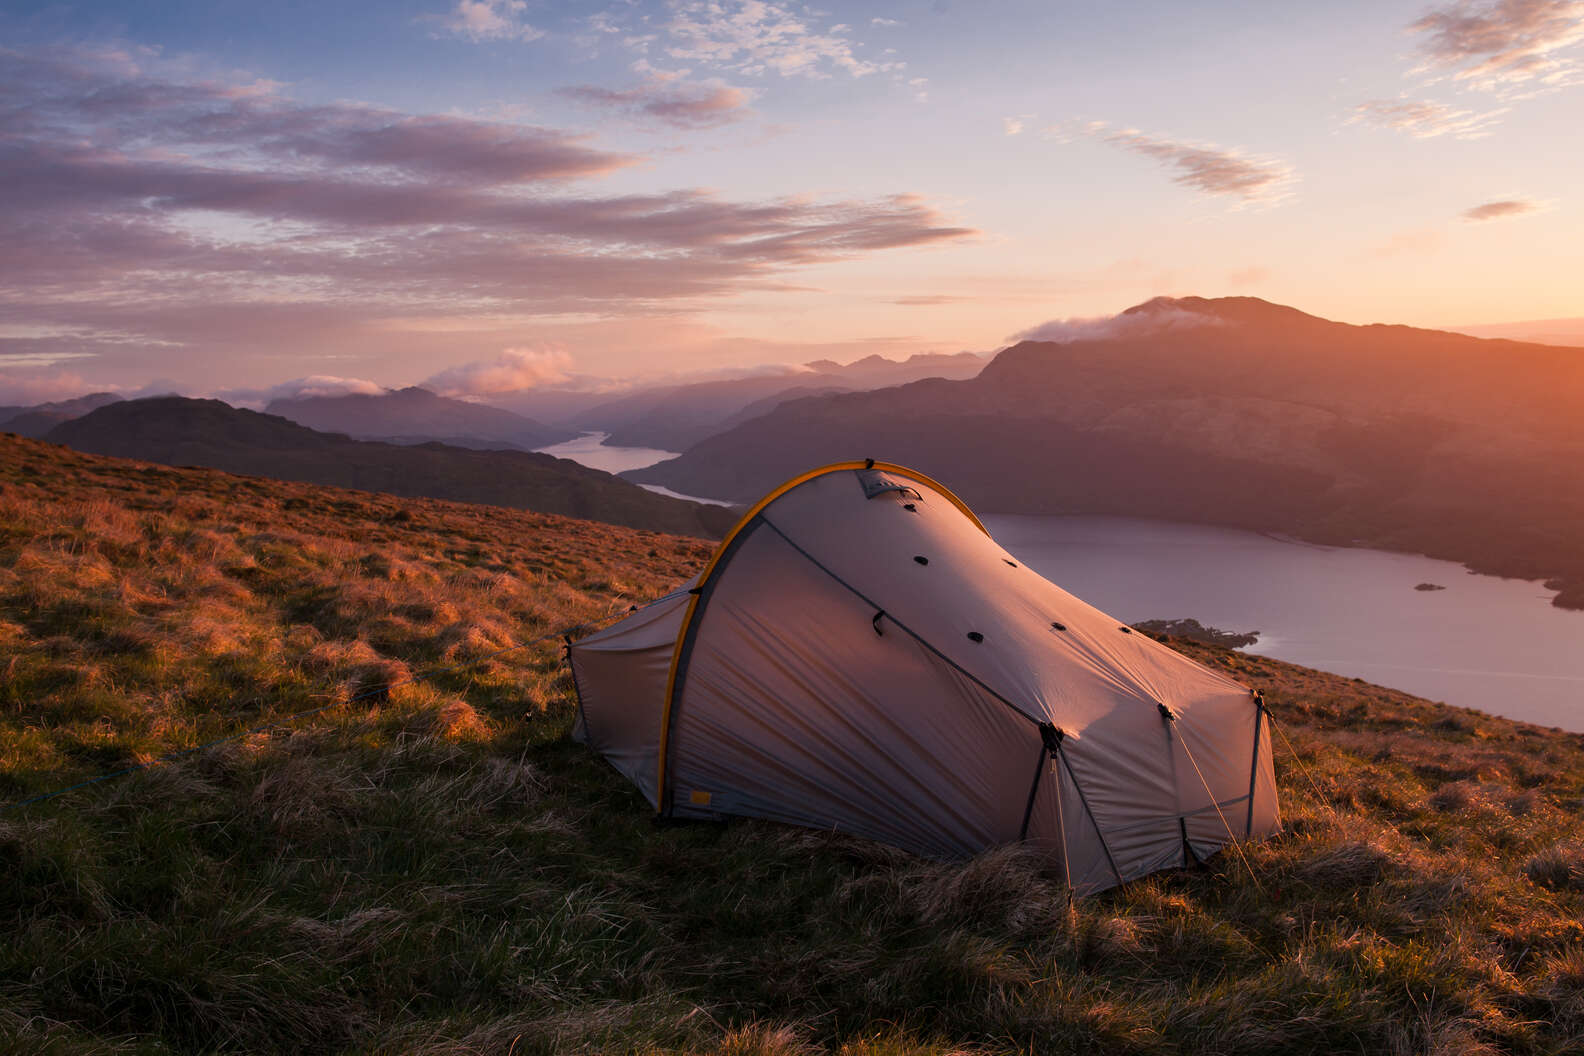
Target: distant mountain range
point(1234, 412)
point(414, 416)
point(1568, 332)
point(37, 419)
point(186, 432)
point(675, 417)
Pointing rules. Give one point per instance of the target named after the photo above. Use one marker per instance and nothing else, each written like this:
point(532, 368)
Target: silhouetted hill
point(414, 416)
point(184, 432)
point(40, 418)
point(674, 418)
point(1235, 412)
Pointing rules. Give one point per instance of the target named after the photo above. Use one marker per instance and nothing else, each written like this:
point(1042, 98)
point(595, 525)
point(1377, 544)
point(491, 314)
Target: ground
point(436, 868)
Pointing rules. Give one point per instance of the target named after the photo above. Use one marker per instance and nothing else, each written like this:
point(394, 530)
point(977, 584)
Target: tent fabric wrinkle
point(860, 655)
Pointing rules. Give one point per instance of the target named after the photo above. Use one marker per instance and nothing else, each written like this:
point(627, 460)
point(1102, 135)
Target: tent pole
point(1028, 811)
point(1062, 755)
point(1259, 719)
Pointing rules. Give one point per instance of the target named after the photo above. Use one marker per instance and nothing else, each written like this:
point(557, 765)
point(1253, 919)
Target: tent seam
point(975, 679)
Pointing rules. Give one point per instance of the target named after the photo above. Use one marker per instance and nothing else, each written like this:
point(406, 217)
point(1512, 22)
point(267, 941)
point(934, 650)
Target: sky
point(490, 195)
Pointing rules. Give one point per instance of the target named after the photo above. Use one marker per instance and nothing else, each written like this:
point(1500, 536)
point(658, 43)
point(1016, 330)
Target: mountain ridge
point(1239, 413)
point(176, 430)
point(415, 415)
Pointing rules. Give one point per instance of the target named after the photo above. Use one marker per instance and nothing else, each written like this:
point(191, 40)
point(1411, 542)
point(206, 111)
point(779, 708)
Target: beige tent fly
point(861, 656)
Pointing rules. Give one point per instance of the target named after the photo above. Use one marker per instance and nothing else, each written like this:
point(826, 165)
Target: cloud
point(490, 20)
point(1207, 168)
point(886, 23)
point(756, 36)
point(670, 100)
point(1500, 209)
point(1425, 119)
point(1504, 44)
point(1153, 316)
point(322, 385)
point(24, 387)
point(1013, 126)
point(143, 210)
point(927, 300)
point(513, 370)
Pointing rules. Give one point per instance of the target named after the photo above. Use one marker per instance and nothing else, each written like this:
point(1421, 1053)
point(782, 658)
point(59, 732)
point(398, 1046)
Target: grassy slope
point(441, 870)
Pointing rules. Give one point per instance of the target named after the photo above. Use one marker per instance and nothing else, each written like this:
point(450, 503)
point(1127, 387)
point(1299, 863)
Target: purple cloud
point(175, 212)
point(1500, 209)
point(490, 20)
point(670, 100)
point(1426, 119)
point(1207, 168)
point(1499, 44)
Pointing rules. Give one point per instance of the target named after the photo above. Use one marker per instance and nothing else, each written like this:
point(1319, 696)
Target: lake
point(1482, 642)
point(591, 450)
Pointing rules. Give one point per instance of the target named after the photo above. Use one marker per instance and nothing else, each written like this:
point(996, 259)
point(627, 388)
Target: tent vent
point(878, 616)
point(910, 507)
point(1125, 630)
point(1058, 626)
point(868, 463)
point(1009, 561)
point(921, 559)
point(1166, 713)
point(975, 636)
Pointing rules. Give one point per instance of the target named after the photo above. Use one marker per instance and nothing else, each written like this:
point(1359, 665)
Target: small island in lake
point(1195, 631)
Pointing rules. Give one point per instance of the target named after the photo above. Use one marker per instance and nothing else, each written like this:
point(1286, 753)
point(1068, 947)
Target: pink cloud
point(22, 387)
point(491, 20)
point(514, 370)
point(672, 101)
point(226, 215)
point(1504, 43)
point(1204, 167)
point(1501, 209)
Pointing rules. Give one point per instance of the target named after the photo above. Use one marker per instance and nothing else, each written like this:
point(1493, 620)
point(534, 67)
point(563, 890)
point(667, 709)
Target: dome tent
point(860, 655)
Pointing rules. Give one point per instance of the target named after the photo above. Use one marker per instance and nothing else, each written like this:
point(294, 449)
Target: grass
point(437, 869)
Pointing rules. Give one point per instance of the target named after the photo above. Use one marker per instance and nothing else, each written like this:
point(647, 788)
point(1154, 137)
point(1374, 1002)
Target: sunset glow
point(486, 194)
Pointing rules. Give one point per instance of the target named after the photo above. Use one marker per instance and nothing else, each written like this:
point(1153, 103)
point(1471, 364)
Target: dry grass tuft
point(1560, 867)
point(458, 721)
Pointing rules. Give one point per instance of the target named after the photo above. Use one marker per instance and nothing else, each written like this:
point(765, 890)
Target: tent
point(860, 655)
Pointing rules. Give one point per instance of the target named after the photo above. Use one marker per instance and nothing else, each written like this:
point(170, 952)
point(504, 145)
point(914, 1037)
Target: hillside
point(1233, 412)
point(674, 418)
point(415, 415)
point(37, 419)
point(439, 870)
point(183, 432)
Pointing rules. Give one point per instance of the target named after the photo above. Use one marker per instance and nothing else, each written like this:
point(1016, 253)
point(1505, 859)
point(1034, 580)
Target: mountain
point(1234, 412)
point(185, 432)
point(414, 416)
point(40, 418)
point(437, 869)
point(1539, 331)
point(675, 417)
